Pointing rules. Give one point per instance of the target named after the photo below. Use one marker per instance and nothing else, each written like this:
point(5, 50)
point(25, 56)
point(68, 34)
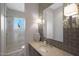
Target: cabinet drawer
point(33, 52)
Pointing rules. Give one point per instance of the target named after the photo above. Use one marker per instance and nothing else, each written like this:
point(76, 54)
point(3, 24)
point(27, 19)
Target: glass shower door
point(15, 35)
point(15, 31)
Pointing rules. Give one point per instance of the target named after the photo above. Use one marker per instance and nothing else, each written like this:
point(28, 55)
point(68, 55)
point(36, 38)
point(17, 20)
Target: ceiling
point(16, 6)
point(56, 5)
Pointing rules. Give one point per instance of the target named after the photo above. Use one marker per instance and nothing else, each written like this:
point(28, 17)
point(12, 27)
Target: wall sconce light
point(71, 10)
point(43, 21)
point(38, 21)
point(23, 46)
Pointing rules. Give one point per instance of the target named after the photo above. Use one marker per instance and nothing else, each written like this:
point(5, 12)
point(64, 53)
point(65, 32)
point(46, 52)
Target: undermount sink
point(43, 50)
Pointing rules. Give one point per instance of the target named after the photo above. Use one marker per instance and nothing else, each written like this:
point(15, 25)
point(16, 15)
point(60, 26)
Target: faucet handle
point(45, 42)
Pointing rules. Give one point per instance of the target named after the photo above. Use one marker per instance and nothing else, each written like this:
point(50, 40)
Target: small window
point(19, 24)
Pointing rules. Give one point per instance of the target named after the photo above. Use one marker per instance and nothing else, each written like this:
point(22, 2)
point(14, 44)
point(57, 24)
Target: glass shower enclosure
point(12, 30)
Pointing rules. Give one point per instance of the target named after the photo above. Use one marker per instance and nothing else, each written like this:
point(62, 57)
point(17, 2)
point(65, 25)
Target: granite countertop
point(48, 50)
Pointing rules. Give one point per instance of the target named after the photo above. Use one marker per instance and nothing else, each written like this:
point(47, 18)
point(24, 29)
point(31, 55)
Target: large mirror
point(53, 22)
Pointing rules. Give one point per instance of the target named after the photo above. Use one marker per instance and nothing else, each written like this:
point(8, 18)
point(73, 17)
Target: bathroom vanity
point(41, 49)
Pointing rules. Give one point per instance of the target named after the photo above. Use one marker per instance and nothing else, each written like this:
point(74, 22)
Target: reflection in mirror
point(71, 16)
point(53, 25)
point(71, 27)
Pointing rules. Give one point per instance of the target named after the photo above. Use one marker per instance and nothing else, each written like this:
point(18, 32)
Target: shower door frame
point(3, 34)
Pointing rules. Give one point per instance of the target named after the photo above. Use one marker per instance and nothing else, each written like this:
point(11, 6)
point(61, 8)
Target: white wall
point(31, 14)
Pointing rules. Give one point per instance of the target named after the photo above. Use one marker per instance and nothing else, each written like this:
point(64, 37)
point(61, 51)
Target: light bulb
point(23, 46)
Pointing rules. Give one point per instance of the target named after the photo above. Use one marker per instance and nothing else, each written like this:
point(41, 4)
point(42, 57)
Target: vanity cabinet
point(33, 52)
point(38, 49)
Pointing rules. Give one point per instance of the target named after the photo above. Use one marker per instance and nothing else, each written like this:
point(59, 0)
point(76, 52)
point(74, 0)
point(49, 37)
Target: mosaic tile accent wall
point(71, 39)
